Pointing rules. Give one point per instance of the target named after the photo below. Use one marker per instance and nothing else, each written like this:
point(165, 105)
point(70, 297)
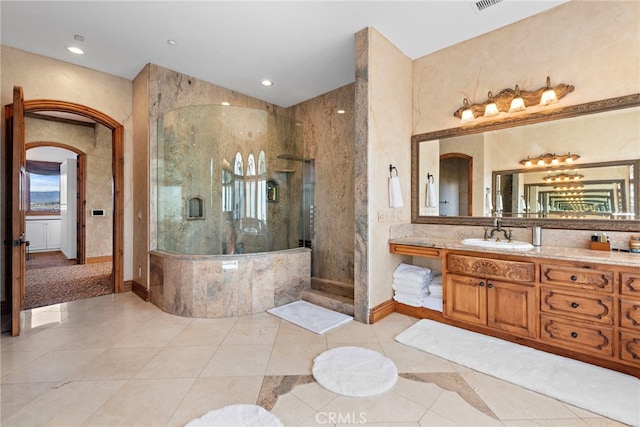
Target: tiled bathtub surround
point(225, 286)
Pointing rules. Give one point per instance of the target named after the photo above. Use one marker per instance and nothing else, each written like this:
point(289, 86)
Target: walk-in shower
point(232, 211)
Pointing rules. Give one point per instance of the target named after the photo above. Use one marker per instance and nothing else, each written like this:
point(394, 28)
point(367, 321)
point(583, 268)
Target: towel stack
point(411, 284)
point(433, 301)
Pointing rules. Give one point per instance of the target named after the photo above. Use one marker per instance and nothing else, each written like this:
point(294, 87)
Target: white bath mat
point(603, 391)
point(354, 371)
point(237, 415)
point(310, 316)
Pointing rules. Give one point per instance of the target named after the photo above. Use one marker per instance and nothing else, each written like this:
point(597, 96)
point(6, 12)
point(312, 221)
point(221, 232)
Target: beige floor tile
point(388, 328)
point(289, 333)
point(375, 346)
point(296, 359)
point(451, 406)
point(238, 360)
point(422, 393)
point(68, 404)
point(143, 402)
point(350, 333)
point(432, 419)
point(153, 335)
point(14, 397)
point(291, 411)
point(53, 366)
point(510, 402)
point(215, 392)
point(11, 360)
point(409, 359)
point(177, 362)
point(116, 364)
point(209, 332)
point(602, 422)
point(573, 422)
point(259, 318)
point(384, 408)
point(251, 333)
point(314, 395)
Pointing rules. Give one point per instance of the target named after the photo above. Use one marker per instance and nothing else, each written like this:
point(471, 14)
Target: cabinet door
point(36, 235)
point(511, 308)
point(466, 299)
point(54, 233)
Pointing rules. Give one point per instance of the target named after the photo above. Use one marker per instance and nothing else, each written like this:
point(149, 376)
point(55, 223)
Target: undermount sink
point(514, 245)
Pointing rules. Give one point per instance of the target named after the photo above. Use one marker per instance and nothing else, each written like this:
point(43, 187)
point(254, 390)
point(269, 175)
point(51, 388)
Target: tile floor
point(116, 360)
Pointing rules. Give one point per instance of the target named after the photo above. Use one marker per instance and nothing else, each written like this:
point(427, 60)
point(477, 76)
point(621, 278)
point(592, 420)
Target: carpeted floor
point(51, 279)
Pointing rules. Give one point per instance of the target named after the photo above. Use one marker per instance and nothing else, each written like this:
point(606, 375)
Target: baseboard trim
point(99, 259)
point(140, 290)
point(127, 285)
point(381, 311)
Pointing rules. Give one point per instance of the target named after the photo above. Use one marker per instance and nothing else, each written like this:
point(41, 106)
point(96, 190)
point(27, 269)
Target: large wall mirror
point(583, 170)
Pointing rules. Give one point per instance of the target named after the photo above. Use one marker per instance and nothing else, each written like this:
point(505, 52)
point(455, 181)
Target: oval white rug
point(354, 371)
point(237, 415)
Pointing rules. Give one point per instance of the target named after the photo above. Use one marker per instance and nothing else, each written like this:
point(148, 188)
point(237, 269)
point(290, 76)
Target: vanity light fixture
point(511, 101)
point(467, 114)
point(340, 111)
point(549, 95)
point(517, 103)
point(549, 159)
point(492, 108)
point(562, 177)
point(225, 103)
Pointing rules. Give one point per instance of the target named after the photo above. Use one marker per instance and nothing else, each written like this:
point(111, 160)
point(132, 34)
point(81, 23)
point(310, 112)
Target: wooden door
point(18, 199)
point(466, 299)
point(511, 308)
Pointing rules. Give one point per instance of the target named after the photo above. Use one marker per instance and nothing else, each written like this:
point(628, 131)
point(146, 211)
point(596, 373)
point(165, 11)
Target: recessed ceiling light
point(225, 103)
point(75, 50)
point(340, 111)
point(171, 42)
point(267, 82)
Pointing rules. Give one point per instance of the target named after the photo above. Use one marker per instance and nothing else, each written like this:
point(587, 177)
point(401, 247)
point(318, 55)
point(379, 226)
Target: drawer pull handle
point(574, 335)
point(489, 285)
point(481, 284)
point(574, 278)
point(575, 305)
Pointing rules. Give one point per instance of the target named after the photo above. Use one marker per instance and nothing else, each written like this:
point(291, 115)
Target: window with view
point(44, 187)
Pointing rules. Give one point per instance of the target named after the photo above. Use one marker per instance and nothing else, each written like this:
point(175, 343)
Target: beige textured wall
point(388, 135)
point(329, 139)
point(96, 144)
point(46, 78)
point(593, 45)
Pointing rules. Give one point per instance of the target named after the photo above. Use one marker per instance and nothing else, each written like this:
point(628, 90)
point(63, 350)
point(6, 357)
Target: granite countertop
point(551, 252)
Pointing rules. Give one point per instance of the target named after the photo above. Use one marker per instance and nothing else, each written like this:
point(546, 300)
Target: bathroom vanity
point(573, 302)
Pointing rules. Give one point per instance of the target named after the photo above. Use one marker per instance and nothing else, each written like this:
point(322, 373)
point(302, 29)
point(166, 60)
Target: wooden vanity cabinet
point(478, 292)
point(629, 350)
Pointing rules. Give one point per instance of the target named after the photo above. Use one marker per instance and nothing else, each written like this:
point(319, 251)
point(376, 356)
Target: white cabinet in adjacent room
point(43, 234)
point(68, 206)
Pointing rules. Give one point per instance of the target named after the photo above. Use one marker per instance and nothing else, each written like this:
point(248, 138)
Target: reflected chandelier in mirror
point(489, 156)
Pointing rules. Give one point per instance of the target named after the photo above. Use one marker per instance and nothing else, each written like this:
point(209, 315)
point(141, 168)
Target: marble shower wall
point(195, 144)
point(267, 128)
point(329, 140)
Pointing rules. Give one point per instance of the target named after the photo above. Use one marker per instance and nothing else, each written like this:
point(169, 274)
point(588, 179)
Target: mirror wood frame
point(610, 104)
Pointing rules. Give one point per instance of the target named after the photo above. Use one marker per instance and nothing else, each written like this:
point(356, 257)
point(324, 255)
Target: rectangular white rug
point(602, 391)
point(310, 316)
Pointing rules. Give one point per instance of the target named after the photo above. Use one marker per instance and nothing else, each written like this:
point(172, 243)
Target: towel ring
point(391, 169)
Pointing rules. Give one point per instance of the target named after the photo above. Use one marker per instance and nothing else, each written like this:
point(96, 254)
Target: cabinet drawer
point(583, 306)
point(630, 284)
point(630, 347)
point(515, 271)
point(594, 339)
point(581, 277)
point(630, 313)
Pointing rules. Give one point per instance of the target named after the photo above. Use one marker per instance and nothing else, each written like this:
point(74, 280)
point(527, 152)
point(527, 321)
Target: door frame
point(117, 149)
point(469, 161)
point(81, 193)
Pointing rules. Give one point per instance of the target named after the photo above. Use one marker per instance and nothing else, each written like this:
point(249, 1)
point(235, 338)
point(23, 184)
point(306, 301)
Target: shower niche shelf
point(273, 192)
point(295, 157)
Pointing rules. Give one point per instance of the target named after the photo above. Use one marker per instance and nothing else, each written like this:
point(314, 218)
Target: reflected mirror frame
point(611, 104)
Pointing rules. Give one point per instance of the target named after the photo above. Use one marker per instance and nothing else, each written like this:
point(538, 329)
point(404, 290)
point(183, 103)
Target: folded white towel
point(411, 291)
point(432, 303)
point(436, 281)
point(417, 284)
point(411, 272)
point(408, 301)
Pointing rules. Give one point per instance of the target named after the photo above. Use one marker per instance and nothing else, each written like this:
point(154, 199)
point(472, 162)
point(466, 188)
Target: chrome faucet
point(488, 234)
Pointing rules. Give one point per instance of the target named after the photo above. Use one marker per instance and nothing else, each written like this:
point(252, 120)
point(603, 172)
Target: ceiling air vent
point(481, 5)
